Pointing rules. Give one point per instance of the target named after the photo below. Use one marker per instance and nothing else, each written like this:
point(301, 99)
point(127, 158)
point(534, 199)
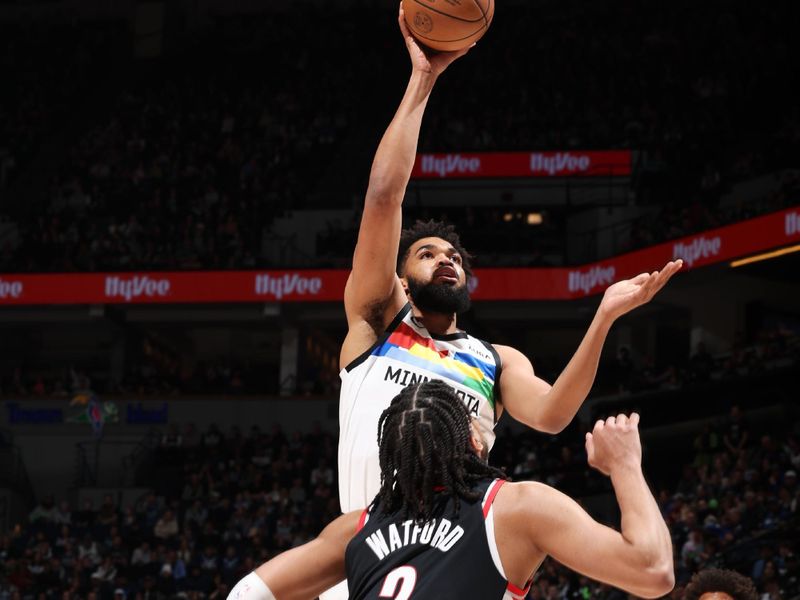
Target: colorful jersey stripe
point(408, 346)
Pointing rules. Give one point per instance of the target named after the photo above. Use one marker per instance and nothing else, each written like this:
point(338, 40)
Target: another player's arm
point(638, 558)
point(308, 570)
point(373, 284)
point(550, 408)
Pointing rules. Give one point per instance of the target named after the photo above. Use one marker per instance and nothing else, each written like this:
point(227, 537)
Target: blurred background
point(180, 189)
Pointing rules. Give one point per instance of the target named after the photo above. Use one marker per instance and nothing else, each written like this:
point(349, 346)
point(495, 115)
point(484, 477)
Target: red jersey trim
point(515, 591)
point(498, 483)
point(362, 520)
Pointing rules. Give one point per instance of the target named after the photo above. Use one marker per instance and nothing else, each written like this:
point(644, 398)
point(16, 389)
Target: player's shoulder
point(482, 349)
point(510, 355)
point(344, 527)
point(525, 489)
point(528, 498)
point(528, 509)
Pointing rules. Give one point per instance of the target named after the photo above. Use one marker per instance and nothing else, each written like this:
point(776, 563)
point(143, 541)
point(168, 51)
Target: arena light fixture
point(535, 218)
point(765, 256)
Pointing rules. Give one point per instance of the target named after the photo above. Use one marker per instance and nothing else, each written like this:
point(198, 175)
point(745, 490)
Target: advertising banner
point(492, 165)
point(706, 248)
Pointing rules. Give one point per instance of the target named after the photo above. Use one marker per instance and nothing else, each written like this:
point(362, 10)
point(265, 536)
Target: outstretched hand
point(426, 60)
point(625, 295)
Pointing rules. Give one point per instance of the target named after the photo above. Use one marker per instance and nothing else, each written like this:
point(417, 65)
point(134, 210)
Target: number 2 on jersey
point(406, 577)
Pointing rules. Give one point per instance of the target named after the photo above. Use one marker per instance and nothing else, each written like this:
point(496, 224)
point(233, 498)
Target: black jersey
point(446, 558)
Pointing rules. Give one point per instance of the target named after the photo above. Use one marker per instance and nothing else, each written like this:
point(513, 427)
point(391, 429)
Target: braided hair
point(425, 446)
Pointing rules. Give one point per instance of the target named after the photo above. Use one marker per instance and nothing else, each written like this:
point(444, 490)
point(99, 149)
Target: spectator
point(701, 364)
point(693, 550)
point(46, 511)
point(88, 551)
point(142, 555)
point(167, 526)
point(106, 571)
point(736, 435)
point(196, 515)
point(322, 474)
point(172, 438)
point(209, 561)
point(107, 515)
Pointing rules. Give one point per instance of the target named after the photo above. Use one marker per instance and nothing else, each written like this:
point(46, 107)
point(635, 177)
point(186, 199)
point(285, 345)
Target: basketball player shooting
point(402, 299)
point(445, 525)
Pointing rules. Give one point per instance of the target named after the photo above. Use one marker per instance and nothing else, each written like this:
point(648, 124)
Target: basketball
point(448, 25)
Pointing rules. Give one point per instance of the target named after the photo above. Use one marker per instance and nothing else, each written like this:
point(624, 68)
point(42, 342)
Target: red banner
point(174, 287)
point(574, 163)
point(714, 246)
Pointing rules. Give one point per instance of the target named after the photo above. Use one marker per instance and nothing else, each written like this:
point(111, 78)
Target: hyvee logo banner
point(450, 164)
point(286, 285)
point(792, 224)
point(548, 283)
point(487, 165)
point(138, 286)
point(588, 281)
point(698, 248)
point(560, 163)
point(11, 289)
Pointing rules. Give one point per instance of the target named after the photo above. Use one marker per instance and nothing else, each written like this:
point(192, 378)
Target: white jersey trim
point(489, 522)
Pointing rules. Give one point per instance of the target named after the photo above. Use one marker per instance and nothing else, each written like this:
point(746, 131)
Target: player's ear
point(475, 438)
point(404, 283)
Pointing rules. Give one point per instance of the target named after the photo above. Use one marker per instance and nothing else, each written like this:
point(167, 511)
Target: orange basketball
point(448, 24)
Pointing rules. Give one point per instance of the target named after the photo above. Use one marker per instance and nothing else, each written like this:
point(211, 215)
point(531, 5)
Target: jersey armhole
point(512, 591)
point(498, 370)
point(491, 492)
point(362, 520)
point(519, 593)
point(381, 340)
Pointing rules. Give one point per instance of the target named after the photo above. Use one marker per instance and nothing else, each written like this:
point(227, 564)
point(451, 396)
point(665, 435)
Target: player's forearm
point(642, 523)
point(569, 391)
point(394, 159)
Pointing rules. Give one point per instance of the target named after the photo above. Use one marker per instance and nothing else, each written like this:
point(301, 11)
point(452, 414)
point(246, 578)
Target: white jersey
point(404, 355)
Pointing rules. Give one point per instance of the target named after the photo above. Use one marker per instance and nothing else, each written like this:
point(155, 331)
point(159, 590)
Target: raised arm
point(547, 408)
point(303, 572)
point(638, 558)
point(374, 294)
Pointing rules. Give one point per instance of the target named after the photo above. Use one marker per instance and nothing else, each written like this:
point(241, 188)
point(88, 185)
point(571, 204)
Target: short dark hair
point(737, 586)
point(432, 228)
point(424, 442)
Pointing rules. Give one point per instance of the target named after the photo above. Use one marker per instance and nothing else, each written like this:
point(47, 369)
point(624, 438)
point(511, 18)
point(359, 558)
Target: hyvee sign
point(607, 163)
point(10, 289)
point(279, 286)
point(726, 243)
point(170, 287)
point(136, 287)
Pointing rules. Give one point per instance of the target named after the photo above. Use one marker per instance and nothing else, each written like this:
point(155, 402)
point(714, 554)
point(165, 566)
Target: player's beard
point(440, 298)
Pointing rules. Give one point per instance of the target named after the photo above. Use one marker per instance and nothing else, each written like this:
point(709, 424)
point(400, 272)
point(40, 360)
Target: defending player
point(720, 584)
point(402, 299)
point(447, 526)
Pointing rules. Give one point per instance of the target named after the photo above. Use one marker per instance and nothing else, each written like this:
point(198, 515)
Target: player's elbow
point(668, 580)
point(552, 423)
point(660, 580)
point(545, 413)
point(384, 191)
point(383, 198)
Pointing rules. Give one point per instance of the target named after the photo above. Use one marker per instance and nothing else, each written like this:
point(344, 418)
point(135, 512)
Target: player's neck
point(437, 323)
